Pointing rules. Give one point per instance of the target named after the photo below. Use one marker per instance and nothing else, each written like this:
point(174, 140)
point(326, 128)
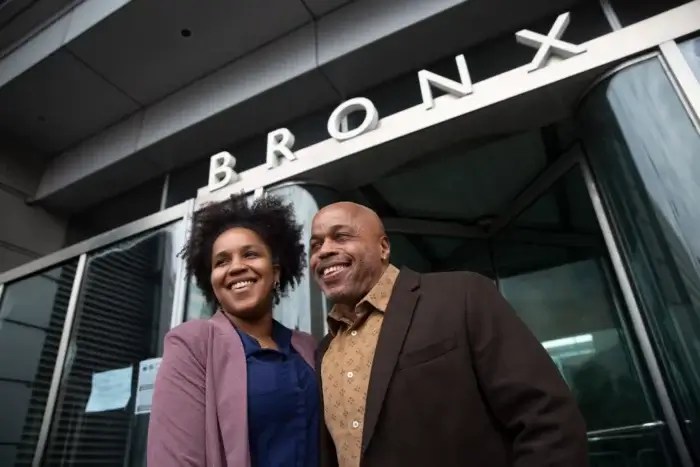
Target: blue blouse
point(283, 404)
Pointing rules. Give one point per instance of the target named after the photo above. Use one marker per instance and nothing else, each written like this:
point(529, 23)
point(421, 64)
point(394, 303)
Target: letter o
point(346, 108)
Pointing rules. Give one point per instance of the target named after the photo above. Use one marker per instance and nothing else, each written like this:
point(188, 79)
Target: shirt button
point(354, 333)
point(350, 374)
point(355, 424)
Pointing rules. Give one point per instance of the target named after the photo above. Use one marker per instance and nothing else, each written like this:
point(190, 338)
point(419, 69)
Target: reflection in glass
point(645, 153)
point(691, 51)
point(32, 313)
point(554, 270)
point(431, 253)
point(123, 312)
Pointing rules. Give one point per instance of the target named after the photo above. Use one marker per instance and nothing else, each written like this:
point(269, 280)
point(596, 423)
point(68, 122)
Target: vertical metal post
point(636, 318)
point(181, 278)
point(610, 15)
point(60, 361)
point(683, 76)
point(2, 289)
point(164, 191)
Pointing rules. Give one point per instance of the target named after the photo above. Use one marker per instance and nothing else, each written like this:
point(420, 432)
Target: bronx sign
point(280, 142)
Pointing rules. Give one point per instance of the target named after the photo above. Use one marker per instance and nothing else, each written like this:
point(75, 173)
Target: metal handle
point(622, 430)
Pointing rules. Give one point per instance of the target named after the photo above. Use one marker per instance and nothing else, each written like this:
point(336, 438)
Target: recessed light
point(185, 33)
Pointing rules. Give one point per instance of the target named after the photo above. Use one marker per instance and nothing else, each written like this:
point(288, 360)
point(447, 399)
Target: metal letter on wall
point(221, 171)
point(459, 89)
point(279, 144)
point(549, 44)
point(371, 121)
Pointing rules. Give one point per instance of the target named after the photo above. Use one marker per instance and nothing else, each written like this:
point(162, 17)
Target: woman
point(239, 389)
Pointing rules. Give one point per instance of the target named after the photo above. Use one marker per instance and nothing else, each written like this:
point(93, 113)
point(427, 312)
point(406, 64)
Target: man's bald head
point(349, 251)
point(369, 219)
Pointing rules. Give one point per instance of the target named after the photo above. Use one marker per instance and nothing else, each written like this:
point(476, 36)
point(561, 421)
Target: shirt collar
point(377, 298)
point(280, 334)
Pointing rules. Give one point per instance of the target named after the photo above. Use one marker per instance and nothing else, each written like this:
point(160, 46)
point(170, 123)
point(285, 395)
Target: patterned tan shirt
point(347, 364)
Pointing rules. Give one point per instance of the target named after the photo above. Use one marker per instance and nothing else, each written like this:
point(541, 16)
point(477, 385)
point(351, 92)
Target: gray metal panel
point(276, 83)
point(99, 153)
point(34, 50)
point(20, 17)
point(89, 14)
point(53, 104)
point(11, 258)
point(50, 39)
point(322, 7)
point(252, 75)
point(369, 42)
point(20, 167)
point(142, 51)
point(31, 229)
point(367, 21)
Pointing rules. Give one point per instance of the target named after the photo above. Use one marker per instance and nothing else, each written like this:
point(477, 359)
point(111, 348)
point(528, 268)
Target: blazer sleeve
point(176, 433)
point(327, 452)
point(521, 384)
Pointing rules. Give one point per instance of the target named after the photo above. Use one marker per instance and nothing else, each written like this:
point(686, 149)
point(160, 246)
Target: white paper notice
point(144, 390)
point(111, 390)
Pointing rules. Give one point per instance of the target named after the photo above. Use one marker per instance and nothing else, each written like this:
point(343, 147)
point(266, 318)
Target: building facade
point(553, 146)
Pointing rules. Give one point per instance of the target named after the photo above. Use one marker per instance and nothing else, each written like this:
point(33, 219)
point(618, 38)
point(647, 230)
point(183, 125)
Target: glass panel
point(477, 179)
point(431, 253)
point(196, 306)
point(557, 277)
point(633, 11)
point(123, 312)
point(691, 51)
point(645, 153)
point(32, 313)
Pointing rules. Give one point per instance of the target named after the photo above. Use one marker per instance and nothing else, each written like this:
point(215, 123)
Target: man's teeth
point(240, 285)
point(332, 269)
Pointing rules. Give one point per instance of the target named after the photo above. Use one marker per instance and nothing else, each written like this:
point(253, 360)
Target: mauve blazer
point(199, 415)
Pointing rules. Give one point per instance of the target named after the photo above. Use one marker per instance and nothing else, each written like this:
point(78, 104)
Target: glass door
point(552, 264)
point(32, 316)
point(643, 144)
point(123, 312)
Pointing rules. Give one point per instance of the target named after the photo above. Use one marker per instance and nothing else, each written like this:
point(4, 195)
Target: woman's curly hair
point(268, 216)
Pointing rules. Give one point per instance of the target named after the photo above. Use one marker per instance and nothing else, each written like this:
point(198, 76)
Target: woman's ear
point(276, 273)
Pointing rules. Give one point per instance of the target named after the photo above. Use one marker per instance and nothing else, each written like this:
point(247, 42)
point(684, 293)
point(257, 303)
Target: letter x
point(546, 45)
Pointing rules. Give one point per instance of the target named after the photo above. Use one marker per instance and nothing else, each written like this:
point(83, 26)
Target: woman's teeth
point(241, 284)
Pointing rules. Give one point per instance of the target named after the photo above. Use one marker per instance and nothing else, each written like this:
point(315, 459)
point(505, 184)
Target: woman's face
point(242, 273)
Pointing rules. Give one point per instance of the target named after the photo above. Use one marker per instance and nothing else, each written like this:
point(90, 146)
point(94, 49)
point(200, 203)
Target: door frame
point(641, 332)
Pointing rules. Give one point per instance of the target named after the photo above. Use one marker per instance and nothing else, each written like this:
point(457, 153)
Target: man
point(429, 369)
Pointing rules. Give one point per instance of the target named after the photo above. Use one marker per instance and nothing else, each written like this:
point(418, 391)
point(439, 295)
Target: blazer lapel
point(229, 366)
point(396, 322)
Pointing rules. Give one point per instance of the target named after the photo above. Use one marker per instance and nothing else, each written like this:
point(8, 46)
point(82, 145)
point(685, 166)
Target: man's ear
point(385, 248)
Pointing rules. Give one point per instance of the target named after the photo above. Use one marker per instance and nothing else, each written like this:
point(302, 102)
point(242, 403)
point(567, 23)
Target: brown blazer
point(458, 380)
